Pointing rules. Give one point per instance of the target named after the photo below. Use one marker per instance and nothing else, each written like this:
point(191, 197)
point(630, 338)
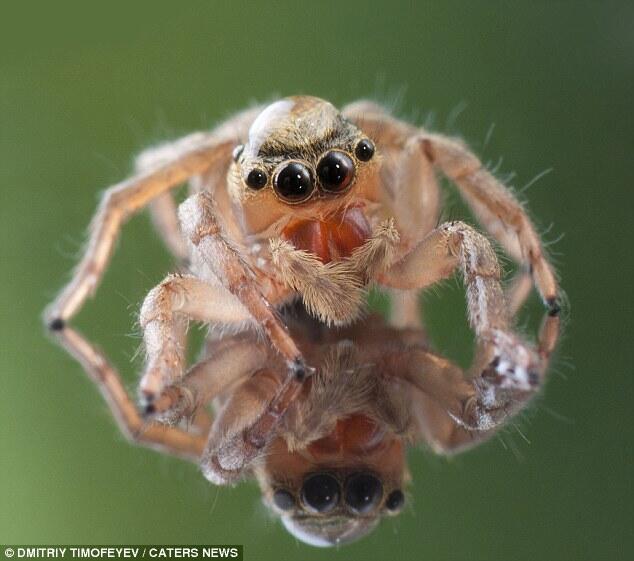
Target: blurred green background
point(85, 86)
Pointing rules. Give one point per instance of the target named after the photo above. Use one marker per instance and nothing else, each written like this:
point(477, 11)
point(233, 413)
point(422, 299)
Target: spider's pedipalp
point(335, 292)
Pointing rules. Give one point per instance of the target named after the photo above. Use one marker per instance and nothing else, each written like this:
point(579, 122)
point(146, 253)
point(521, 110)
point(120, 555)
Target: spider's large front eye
point(335, 171)
point(320, 493)
point(363, 493)
point(294, 182)
point(256, 179)
point(364, 150)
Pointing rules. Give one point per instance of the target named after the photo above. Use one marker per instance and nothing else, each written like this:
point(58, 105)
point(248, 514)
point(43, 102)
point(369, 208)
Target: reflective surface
point(82, 88)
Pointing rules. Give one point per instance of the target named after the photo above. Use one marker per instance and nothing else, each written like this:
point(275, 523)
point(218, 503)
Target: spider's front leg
point(233, 447)
point(175, 299)
point(229, 362)
point(237, 289)
point(225, 261)
point(235, 298)
point(456, 245)
point(511, 379)
point(247, 376)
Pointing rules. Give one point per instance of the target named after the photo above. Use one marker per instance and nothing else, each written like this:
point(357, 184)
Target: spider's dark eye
point(294, 183)
point(335, 171)
point(283, 499)
point(364, 150)
point(256, 179)
point(320, 493)
point(395, 501)
point(363, 492)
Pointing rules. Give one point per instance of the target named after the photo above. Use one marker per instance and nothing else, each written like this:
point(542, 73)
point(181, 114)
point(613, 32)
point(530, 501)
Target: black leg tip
point(554, 307)
point(146, 404)
point(300, 374)
point(56, 324)
point(299, 369)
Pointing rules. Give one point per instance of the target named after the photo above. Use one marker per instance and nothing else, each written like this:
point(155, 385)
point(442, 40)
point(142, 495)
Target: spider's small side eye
point(237, 152)
point(395, 501)
point(364, 150)
point(283, 499)
point(256, 179)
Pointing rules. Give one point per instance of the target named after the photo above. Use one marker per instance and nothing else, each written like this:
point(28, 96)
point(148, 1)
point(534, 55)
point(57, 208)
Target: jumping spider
point(298, 200)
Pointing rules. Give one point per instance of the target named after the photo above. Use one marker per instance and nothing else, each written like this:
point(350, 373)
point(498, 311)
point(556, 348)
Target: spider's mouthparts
point(331, 238)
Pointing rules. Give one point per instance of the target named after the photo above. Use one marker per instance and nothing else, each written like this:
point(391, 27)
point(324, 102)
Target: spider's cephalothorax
point(299, 201)
point(305, 173)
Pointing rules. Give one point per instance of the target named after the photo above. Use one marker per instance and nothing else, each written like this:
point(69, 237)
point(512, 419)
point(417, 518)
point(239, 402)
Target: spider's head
point(302, 161)
point(329, 496)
